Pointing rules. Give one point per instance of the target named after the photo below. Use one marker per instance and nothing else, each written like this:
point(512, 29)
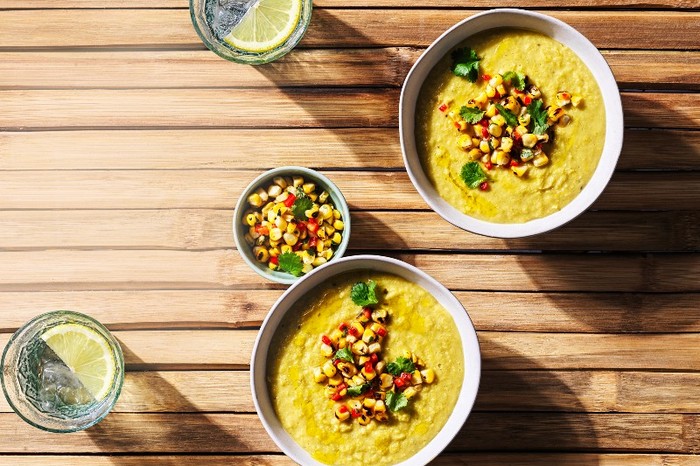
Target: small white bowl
point(470, 346)
point(559, 31)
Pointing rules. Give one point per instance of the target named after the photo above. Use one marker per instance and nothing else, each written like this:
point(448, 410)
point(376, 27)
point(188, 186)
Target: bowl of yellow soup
point(365, 360)
point(511, 123)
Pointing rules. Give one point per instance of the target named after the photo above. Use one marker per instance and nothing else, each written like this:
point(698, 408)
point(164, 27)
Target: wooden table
point(125, 144)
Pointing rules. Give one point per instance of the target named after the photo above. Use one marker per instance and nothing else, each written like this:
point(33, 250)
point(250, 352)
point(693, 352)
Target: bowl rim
point(559, 31)
point(336, 195)
point(465, 327)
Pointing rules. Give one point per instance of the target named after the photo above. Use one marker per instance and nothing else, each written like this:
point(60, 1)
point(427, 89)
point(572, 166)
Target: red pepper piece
point(337, 397)
point(381, 331)
point(527, 100)
point(312, 226)
point(406, 377)
point(517, 136)
point(275, 260)
point(343, 326)
point(486, 77)
point(368, 367)
point(443, 107)
point(261, 229)
point(484, 132)
point(457, 124)
point(484, 186)
point(488, 165)
point(367, 312)
point(290, 200)
point(353, 331)
point(343, 409)
point(496, 95)
point(312, 241)
point(301, 225)
point(484, 122)
point(374, 358)
point(296, 247)
point(326, 340)
point(341, 387)
point(355, 414)
point(514, 163)
point(399, 382)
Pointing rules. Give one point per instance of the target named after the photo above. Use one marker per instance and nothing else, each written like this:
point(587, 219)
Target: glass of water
point(62, 371)
point(251, 31)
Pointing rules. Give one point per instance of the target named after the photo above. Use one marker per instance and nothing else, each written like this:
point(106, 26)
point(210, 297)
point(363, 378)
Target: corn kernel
point(318, 261)
point(261, 254)
point(255, 200)
point(495, 130)
point(496, 81)
point(428, 375)
point(498, 120)
point(290, 239)
point(491, 110)
point(490, 92)
point(519, 170)
point(540, 160)
point(506, 144)
point(501, 89)
point(262, 192)
point(275, 234)
point(338, 225)
point(529, 140)
point(308, 188)
point(337, 238)
point(484, 146)
point(296, 181)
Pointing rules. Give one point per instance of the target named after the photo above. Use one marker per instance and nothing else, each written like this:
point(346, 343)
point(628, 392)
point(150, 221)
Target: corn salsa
point(417, 332)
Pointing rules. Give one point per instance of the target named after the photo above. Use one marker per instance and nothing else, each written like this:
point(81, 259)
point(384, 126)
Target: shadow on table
point(160, 431)
point(522, 411)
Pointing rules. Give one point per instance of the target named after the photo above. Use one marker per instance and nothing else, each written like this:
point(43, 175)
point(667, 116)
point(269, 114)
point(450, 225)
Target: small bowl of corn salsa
point(290, 220)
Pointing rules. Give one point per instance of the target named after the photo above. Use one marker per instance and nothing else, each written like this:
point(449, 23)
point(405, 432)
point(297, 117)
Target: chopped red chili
point(289, 201)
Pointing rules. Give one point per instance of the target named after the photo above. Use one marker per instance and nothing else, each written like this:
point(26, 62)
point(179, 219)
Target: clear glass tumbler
point(62, 371)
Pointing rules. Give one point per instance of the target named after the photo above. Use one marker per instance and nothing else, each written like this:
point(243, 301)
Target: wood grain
point(445, 459)
point(202, 229)
point(331, 28)
point(500, 390)
point(224, 269)
point(495, 311)
point(219, 433)
point(219, 189)
point(231, 349)
point(249, 108)
point(342, 148)
point(377, 67)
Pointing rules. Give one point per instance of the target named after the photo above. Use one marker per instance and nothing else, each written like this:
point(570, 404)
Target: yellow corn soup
point(573, 154)
point(416, 322)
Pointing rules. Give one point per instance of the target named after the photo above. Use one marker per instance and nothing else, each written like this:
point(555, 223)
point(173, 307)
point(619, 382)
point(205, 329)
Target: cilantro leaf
point(290, 263)
point(471, 114)
point(539, 116)
point(300, 206)
point(364, 294)
point(511, 119)
point(516, 78)
point(345, 354)
point(400, 365)
point(395, 401)
point(465, 63)
point(358, 390)
point(472, 174)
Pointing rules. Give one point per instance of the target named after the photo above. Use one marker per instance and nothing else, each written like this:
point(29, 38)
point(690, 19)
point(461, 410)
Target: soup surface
point(573, 151)
point(416, 322)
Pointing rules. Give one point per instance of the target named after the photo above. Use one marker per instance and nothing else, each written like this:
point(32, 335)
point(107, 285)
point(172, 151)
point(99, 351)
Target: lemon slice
point(266, 25)
point(86, 353)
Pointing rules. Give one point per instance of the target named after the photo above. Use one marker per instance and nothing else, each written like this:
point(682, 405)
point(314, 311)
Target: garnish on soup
point(507, 125)
point(356, 376)
point(292, 228)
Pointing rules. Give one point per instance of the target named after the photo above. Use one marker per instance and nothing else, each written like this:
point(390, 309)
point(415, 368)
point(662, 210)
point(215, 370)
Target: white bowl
point(557, 30)
point(470, 346)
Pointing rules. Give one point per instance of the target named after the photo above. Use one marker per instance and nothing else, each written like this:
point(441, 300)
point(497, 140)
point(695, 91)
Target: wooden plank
point(332, 28)
point(231, 349)
point(224, 269)
point(494, 311)
point(248, 108)
point(45, 4)
point(219, 433)
point(508, 391)
point(201, 149)
point(200, 229)
point(219, 189)
point(331, 67)
point(445, 459)
point(173, 108)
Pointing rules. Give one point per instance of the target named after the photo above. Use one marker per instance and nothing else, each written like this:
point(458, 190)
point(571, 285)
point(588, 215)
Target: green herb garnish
point(465, 63)
point(301, 205)
point(290, 263)
point(473, 175)
point(358, 390)
point(511, 119)
point(526, 154)
point(395, 401)
point(515, 78)
point(400, 365)
point(345, 354)
point(471, 114)
point(538, 115)
point(364, 294)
